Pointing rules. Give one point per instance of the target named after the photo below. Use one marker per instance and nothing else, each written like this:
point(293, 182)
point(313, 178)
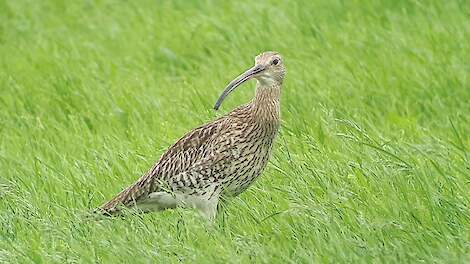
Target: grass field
point(372, 163)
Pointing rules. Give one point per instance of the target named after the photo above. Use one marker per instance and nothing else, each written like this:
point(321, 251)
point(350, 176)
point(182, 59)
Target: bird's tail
point(125, 199)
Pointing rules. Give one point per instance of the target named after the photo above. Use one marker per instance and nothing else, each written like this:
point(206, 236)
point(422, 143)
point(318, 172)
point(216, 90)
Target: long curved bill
point(237, 82)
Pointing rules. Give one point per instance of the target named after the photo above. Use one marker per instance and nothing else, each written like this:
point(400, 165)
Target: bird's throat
point(266, 103)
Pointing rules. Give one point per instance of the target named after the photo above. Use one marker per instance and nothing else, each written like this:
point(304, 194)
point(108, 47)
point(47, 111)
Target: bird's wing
point(189, 155)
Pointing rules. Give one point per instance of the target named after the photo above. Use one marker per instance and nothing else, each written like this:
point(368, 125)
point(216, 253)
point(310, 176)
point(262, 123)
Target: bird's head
point(268, 70)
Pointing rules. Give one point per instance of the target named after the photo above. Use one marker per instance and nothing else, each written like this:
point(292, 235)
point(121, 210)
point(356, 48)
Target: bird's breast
point(250, 152)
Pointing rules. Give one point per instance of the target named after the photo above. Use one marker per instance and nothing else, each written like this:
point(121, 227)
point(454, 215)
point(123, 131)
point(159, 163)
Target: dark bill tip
point(237, 82)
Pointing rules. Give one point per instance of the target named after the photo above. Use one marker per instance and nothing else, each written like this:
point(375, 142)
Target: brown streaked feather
point(219, 158)
point(170, 164)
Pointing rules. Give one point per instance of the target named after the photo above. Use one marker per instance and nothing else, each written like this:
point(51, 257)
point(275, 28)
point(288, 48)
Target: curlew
point(219, 159)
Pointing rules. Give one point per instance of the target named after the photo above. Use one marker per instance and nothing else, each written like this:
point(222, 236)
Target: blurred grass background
point(372, 162)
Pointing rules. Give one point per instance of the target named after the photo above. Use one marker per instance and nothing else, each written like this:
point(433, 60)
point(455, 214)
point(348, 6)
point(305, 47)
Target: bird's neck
point(266, 103)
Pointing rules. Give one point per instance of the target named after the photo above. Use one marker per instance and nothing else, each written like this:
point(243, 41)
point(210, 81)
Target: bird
point(219, 159)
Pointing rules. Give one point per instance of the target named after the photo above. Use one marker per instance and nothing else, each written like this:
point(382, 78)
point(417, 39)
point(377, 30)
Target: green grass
point(372, 163)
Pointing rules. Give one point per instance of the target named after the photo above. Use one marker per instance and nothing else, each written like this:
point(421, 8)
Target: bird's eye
point(275, 61)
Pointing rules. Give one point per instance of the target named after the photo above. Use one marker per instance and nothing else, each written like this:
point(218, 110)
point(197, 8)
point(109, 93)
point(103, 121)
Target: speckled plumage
point(221, 158)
